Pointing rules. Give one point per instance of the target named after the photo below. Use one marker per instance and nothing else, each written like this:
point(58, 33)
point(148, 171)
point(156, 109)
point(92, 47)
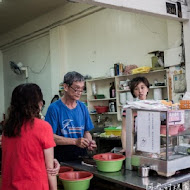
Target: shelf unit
point(103, 84)
point(151, 76)
point(105, 99)
point(102, 87)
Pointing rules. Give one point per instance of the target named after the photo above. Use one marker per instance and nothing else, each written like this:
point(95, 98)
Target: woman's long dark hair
point(24, 107)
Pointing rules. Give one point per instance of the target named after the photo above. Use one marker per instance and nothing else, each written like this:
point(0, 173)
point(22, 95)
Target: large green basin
point(76, 180)
point(109, 162)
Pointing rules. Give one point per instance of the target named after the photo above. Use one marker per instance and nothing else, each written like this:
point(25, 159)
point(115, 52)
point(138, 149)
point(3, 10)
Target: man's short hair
point(71, 77)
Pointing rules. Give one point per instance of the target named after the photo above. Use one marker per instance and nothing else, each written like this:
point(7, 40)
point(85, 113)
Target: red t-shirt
point(23, 161)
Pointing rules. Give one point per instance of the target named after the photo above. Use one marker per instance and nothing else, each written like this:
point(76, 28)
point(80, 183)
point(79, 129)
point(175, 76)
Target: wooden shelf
point(100, 78)
point(151, 87)
point(123, 90)
point(134, 75)
point(154, 87)
point(108, 113)
point(103, 85)
point(105, 99)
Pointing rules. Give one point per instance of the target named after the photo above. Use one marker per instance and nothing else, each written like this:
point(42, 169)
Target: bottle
point(112, 73)
point(112, 90)
point(111, 107)
point(94, 92)
point(120, 69)
point(61, 86)
point(115, 69)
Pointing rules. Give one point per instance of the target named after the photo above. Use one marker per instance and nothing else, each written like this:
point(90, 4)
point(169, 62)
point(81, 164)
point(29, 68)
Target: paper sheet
point(148, 131)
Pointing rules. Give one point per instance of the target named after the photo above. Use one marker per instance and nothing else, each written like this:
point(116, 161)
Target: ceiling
point(14, 13)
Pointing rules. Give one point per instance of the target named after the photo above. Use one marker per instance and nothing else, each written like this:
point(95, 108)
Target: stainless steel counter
point(130, 179)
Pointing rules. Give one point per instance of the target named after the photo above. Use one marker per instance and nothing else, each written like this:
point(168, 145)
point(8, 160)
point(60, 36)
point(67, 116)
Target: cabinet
point(103, 85)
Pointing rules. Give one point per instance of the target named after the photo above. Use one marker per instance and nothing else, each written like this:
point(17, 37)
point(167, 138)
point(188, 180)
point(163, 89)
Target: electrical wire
point(38, 72)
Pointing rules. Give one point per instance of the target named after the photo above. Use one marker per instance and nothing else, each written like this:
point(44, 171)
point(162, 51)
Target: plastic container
point(62, 170)
point(109, 162)
point(173, 129)
point(76, 180)
point(65, 169)
point(99, 96)
point(101, 109)
point(184, 104)
point(112, 73)
point(94, 92)
point(182, 149)
point(143, 171)
point(112, 131)
point(141, 70)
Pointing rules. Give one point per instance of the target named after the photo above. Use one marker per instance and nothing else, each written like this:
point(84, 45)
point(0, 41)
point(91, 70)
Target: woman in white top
point(139, 87)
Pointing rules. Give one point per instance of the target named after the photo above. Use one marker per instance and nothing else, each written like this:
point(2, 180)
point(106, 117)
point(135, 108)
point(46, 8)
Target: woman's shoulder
point(41, 123)
point(42, 130)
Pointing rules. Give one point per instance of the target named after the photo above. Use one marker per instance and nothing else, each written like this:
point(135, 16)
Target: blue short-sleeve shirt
point(71, 123)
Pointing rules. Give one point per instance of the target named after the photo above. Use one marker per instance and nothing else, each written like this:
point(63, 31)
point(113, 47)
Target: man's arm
point(88, 135)
point(80, 142)
point(60, 140)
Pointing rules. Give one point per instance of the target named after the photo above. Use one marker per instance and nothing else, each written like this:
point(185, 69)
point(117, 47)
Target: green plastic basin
point(65, 169)
point(76, 180)
point(109, 162)
point(62, 170)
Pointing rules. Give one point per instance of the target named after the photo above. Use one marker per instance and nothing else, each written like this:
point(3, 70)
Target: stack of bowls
point(101, 109)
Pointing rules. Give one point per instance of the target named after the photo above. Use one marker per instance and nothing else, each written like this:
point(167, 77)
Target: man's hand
point(56, 168)
point(92, 145)
point(82, 142)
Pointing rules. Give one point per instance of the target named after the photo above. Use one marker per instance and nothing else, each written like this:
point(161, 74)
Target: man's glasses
point(77, 90)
